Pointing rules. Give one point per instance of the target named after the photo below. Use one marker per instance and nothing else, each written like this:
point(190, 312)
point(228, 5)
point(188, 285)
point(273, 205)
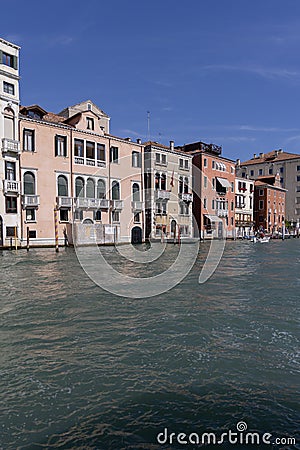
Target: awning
point(225, 183)
point(213, 218)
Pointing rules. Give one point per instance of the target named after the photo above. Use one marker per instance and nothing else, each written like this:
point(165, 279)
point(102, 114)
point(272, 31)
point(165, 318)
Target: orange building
point(214, 191)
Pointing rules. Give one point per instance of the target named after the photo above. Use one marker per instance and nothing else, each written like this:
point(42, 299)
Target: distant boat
point(264, 239)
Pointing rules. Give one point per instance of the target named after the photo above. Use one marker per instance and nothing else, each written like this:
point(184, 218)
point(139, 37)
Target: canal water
point(81, 368)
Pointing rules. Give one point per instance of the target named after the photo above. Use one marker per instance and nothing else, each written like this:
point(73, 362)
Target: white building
point(9, 141)
point(244, 195)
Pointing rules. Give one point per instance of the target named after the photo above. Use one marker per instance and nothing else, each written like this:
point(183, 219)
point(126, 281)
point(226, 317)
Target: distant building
point(70, 163)
point(244, 195)
point(214, 196)
point(10, 146)
point(168, 192)
point(269, 204)
point(287, 165)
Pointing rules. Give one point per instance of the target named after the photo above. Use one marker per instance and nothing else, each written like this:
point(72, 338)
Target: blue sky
point(226, 71)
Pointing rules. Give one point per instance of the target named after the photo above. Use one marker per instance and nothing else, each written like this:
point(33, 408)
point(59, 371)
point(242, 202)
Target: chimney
point(171, 145)
point(139, 141)
point(280, 150)
point(238, 162)
point(128, 139)
point(254, 156)
point(276, 153)
point(261, 155)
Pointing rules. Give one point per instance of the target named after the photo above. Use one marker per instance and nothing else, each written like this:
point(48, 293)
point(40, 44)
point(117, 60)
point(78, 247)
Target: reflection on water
point(83, 369)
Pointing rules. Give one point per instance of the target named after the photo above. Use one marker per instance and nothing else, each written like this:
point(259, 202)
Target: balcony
point(10, 145)
point(11, 187)
point(137, 206)
point(30, 201)
point(117, 205)
point(64, 202)
point(186, 197)
point(240, 205)
point(162, 195)
point(222, 212)
point(92, 203)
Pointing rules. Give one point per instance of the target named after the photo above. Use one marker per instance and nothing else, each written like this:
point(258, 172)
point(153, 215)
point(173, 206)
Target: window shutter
point(15, 62)
point(56, 146)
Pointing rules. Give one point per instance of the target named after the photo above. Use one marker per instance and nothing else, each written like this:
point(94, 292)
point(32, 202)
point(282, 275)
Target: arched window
point(90, 188)
point(157, 181)
point(101, 189)
point(180, 185)
point(163, 182)
point(115, 191)
point(79, 187)
point(186, 185)
point(62, 186)
point(29, 183)
point(135, 192)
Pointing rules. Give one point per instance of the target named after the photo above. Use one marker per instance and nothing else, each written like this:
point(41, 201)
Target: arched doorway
point(136, 235)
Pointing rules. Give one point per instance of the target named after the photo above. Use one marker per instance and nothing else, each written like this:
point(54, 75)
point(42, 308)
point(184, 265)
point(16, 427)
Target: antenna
point(148, 125)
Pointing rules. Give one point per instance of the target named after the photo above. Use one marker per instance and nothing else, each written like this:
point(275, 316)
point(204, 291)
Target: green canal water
point(81, 368)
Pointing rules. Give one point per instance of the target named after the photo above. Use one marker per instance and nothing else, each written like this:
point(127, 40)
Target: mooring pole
point(56, 230)
point(27, 239)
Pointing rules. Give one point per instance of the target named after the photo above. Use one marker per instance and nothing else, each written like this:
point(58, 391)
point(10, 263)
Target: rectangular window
point(213, 164)
point(232, 187)
point(205, 162)
point(298, 189)
point(90, 153)
point(63, 215)
point(78, 148)
point(115, 216)
point(32, 234)
point(270, 170)
point(281, 169)
point(28, 141)
point(30, 215)
point(180, 163)
point(8, 88)
point(11, 231)
point(114, 155)
point(213, 204)
point(10, 171)
point(157, 158)
point(298, 168)
point(60, 145)
point(260, 171)
point(261, 204)
point(205, 182)
point(136, 218)
point(101, 152)
point(90, 123)
point(9, 60)
point(261, 192)
point(186, 164)
point(204, 203)
point(251, 173)
point(164, 160)
point(250, 202)
point(11, 205)
point(136, 159)
point(298, 178)
point(214, 183)
point(97, 216)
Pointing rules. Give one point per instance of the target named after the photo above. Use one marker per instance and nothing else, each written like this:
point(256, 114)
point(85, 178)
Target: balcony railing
point(78, 160)
point(222, 212)
point(11, 187)
point(162, 195)
point(240, 205)
point(10, 145)
point(64, 202)
point(137, 206)
point(30, 201)
point(101, 163)
point(117, 205)
point(92, 203)
point(90, 162)
point(186, 197)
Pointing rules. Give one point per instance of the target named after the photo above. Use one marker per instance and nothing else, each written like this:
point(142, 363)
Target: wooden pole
point(16, 239)
point(27, 239)
point(56, 230)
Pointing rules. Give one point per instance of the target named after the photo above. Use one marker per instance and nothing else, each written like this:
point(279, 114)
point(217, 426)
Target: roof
point(273, 156)
point(260, 183)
